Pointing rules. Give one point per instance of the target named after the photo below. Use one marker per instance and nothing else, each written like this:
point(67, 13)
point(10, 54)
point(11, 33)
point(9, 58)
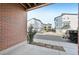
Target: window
point(66, 25)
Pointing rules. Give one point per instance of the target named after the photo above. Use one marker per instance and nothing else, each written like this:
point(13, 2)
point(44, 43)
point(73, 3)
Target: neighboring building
point(58, 22)
point(36, 23)
point(47, 27)
point(66, 21)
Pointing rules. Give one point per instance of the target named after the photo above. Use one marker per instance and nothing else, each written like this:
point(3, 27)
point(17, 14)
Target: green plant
point(31, 34)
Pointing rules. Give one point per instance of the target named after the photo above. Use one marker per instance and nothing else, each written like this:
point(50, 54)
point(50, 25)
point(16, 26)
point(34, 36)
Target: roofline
point(68, 14)
point(37, 20)
point(65, 14)
point(57, 17)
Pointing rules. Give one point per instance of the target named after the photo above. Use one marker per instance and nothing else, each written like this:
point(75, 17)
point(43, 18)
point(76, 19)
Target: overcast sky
point(48, 13)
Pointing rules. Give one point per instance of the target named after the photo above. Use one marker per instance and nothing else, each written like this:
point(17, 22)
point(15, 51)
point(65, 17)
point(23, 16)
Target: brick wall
point(12, 25)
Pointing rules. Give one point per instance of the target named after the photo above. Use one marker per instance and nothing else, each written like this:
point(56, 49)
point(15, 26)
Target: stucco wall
point(73, 20)
point(12, 25)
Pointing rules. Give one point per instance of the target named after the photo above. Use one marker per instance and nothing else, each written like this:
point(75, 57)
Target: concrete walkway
point(27, 49)
point(70, 48)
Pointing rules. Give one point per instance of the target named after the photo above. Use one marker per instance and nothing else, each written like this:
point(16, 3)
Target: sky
point(48, 13)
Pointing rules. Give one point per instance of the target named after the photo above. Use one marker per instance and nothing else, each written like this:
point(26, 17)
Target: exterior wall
point(73, 20)
point(58, 22)
point(12, 25)
point(36, 23)
point(47, 27)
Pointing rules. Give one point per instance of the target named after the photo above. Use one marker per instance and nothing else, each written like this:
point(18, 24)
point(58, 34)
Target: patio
point(28, 49)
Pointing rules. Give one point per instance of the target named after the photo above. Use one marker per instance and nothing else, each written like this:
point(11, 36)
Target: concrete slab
point(70, 48)
point(27, 49)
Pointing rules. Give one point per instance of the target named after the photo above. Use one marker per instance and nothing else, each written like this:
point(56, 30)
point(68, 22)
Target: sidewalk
point(70, 48)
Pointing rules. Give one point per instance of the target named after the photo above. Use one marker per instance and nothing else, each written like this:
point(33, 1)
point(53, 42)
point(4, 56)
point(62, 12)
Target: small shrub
point(31, 34)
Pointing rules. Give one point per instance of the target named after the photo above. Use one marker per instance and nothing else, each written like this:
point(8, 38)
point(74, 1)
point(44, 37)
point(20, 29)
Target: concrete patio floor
point(27, 49)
